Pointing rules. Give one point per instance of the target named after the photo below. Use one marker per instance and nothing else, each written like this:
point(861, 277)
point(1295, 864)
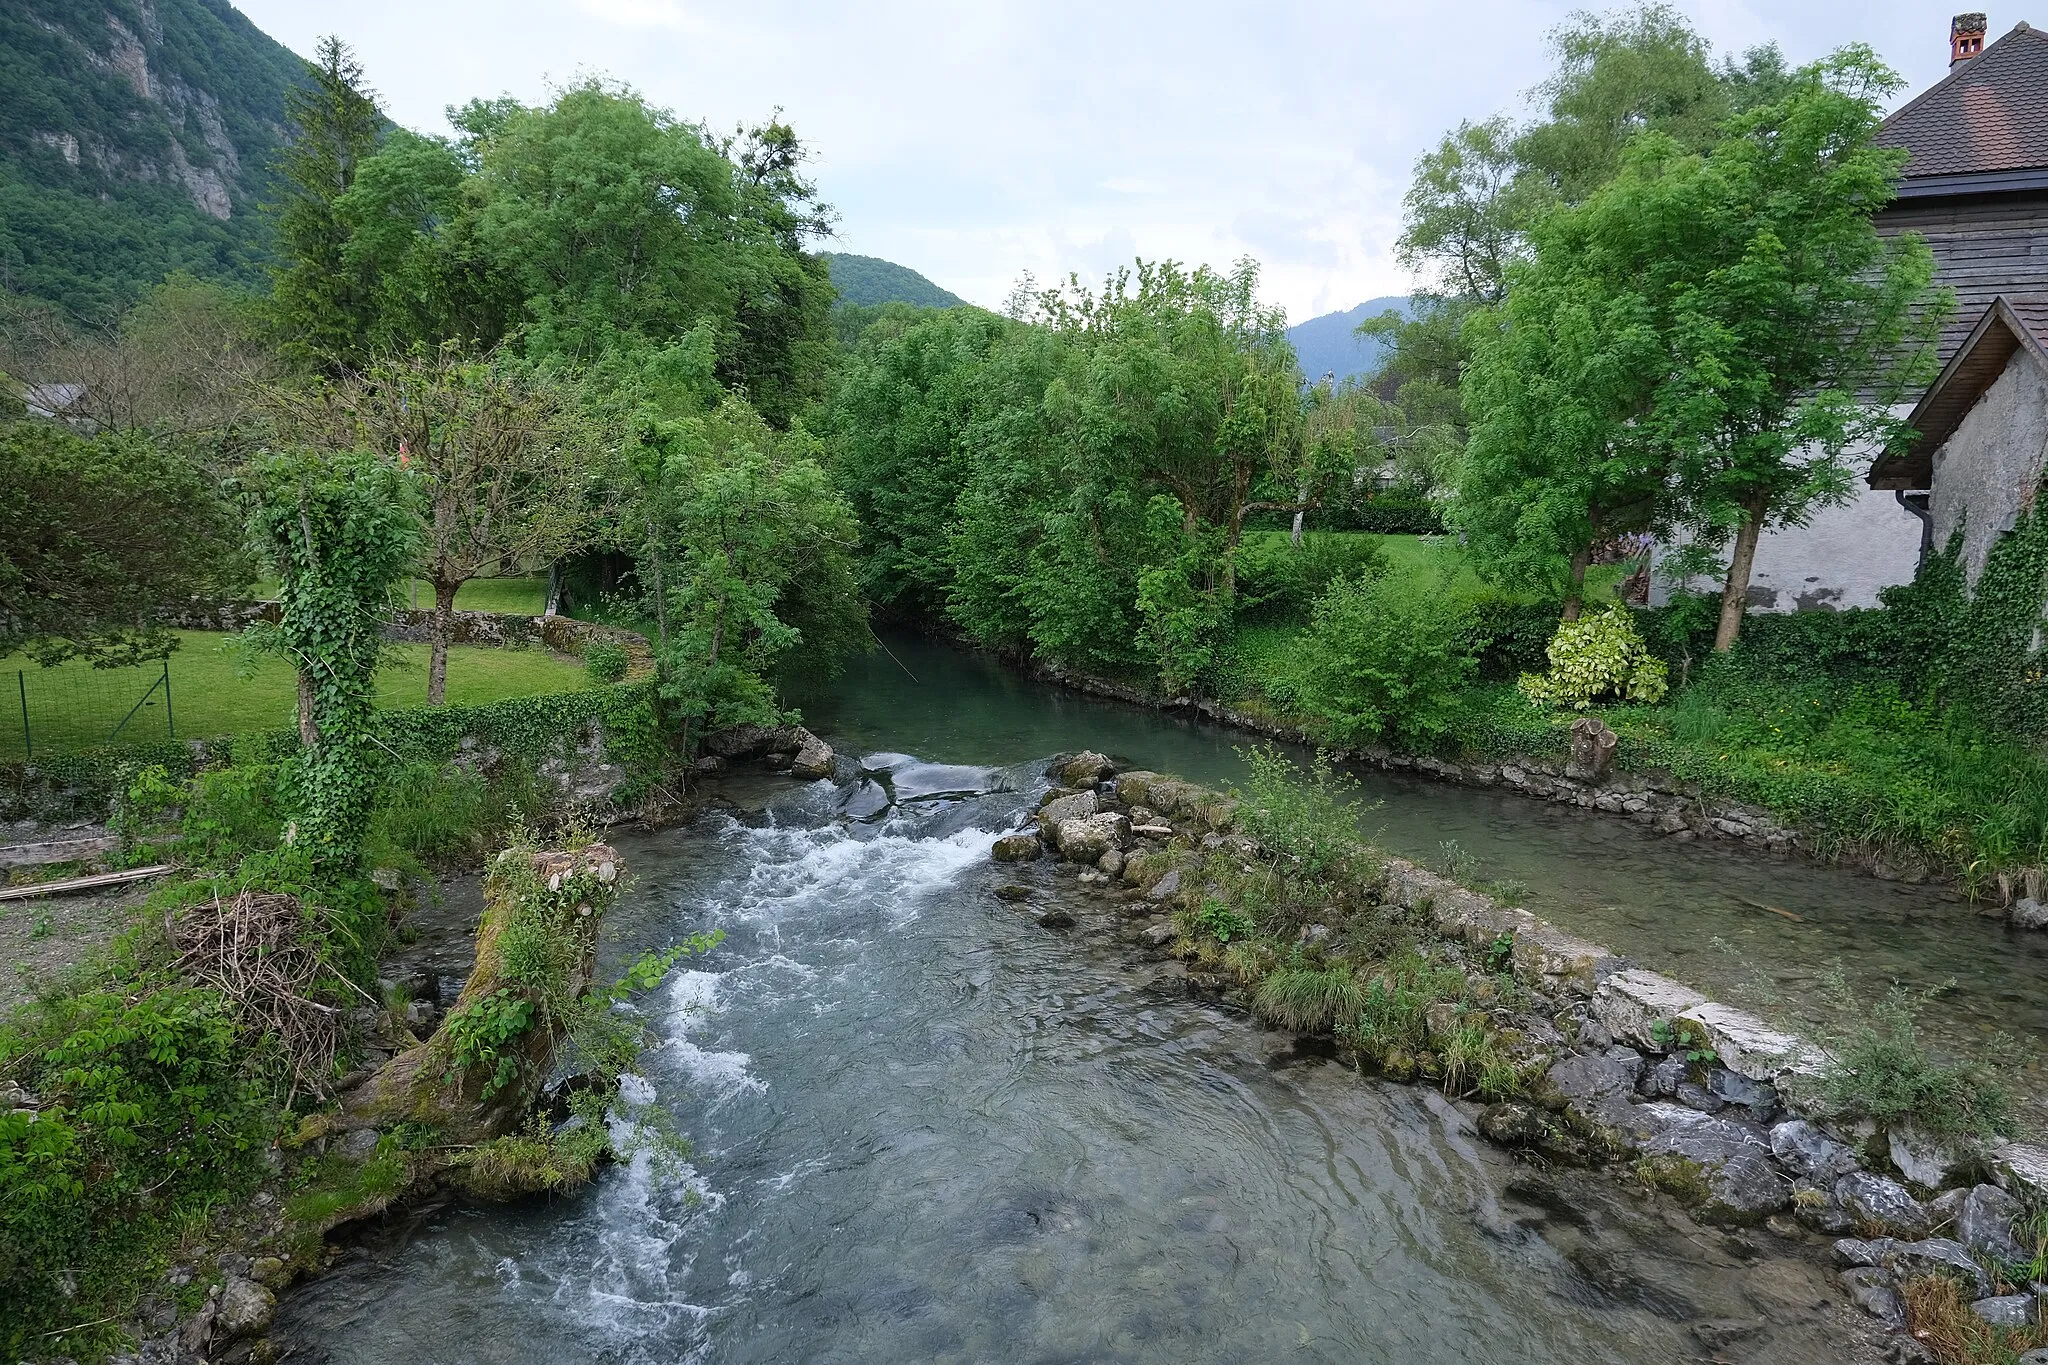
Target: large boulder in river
point(1085, 840)
point(814, 757)
point(1733, 1159)
point(1085, 769)
point(1078, 806)
point(1016, 848)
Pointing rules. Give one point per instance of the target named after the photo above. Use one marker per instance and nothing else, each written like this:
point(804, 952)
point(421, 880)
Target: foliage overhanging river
point(928, 1128)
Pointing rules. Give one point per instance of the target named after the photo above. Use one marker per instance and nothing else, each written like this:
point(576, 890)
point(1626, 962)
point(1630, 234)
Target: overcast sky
point(975, 141)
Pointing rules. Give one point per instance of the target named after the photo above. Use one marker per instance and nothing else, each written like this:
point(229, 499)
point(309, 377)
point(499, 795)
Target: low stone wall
point(562, 634)
point(1708, 1100)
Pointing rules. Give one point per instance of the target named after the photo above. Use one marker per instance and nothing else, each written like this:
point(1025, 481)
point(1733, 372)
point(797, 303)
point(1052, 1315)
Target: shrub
point(605, 661)
point(1601, 655)
point(1881, 1070)
point(1308, 999)
point(1308, 815)
point(1511, 637)
point(1221, 922)
point(1278, 580)
point(1386, 657)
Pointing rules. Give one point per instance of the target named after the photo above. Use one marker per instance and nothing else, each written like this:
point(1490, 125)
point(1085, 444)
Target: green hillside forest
point(869, 281)
point(135, 137)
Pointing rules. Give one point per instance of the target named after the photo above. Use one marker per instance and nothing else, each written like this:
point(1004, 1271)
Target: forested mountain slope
point(869, 280)
point(135, 137)
point(1330, 344)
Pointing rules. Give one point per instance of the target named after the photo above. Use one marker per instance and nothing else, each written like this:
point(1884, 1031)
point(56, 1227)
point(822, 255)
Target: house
point(1975, 187)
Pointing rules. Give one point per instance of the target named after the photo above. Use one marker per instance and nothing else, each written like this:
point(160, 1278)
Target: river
point(927, 1128)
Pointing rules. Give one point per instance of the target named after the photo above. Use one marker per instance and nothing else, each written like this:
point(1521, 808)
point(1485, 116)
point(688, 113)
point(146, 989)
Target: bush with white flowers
point(1595, 657)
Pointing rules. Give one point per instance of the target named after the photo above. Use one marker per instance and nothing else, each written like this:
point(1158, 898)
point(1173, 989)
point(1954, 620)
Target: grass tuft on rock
point(1309, 999)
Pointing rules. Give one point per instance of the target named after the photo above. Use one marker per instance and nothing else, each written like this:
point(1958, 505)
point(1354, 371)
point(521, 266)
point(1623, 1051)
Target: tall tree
point(319, 300)
point(1466, 210)
point(504, 461)
point(757, 547)
point(1794, 327)
point(1562, 379)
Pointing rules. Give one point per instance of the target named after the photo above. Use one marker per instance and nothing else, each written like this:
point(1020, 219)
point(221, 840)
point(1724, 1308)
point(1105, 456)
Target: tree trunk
point(660, 597)
point(1300, 511)
point(437, 657)
point(1575, 595)
point(1735, 593)
point(309, 733)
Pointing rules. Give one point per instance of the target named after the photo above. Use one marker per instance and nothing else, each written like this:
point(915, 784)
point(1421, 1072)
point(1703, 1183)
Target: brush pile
point(254, 950)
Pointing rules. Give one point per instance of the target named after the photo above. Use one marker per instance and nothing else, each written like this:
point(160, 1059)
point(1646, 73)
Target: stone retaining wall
point(562, 634)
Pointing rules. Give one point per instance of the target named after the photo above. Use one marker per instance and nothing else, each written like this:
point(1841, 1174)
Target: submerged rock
point(2028, 913)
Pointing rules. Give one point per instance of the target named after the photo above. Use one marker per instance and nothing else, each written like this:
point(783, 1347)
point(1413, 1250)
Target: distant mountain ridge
point(135, 140)
point(870, 280)
point(1330, 344)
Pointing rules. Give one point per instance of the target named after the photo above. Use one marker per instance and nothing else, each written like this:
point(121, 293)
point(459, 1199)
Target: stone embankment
point(1624, 1066)
point(1587, 779)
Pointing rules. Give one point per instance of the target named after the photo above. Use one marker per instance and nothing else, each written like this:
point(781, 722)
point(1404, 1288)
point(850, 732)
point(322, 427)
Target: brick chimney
point(1965, 38)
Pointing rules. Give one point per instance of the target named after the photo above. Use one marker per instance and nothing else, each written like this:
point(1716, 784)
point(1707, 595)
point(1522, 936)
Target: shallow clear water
point(928, 1129)
point(1695, 911)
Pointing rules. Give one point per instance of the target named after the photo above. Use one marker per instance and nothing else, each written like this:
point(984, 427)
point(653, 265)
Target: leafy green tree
point(339, 531)
point(624, 227)
point(1562, 380)
point(1618, 75)
point(900, 417)
point(320, 302)
point(757, 553)
point(1792, 326)
point(98, 534)
point(1467, 208)
point(1386, 657)
point(505, 462)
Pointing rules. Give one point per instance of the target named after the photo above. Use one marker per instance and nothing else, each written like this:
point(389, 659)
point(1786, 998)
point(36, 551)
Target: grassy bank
point(217, 690)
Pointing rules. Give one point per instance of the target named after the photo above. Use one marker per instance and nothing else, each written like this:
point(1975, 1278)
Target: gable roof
point(1982, 126)
point(2009, 326)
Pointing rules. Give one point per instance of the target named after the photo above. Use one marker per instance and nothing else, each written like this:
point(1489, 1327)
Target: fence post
point(28, 748)
point(170, 722)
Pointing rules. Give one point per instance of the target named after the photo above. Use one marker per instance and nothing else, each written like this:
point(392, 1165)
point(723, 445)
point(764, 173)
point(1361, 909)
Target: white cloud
point(975, 142)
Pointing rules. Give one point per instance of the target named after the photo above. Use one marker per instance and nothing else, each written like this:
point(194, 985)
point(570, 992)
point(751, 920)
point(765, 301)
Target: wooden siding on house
point(1983, 247)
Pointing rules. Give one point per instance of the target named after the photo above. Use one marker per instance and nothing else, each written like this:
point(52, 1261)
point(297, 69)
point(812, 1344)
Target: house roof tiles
point(1989, 115)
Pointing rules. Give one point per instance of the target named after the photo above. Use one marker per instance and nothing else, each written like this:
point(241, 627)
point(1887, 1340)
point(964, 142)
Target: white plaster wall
point(1991, 466)
point(1839, 559)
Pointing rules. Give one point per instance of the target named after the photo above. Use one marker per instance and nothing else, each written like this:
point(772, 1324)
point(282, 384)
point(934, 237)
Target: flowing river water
point(927, 1128)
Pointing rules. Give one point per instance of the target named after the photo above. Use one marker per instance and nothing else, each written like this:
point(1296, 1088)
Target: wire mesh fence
point(57, 710)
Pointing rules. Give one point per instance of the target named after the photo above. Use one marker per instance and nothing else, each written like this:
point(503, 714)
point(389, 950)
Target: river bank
point(1576, 1056)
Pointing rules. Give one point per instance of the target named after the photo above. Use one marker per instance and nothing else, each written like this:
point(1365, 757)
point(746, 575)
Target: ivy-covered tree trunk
point(309, 732)
point(536, 953)
point(437, 651)
point(1735, 592)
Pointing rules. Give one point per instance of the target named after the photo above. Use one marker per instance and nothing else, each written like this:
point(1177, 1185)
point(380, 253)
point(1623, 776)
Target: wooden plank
point(58, 850)
point(134, 874)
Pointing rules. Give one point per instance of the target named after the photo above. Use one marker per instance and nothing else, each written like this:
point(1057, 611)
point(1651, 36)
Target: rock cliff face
point(135, 137)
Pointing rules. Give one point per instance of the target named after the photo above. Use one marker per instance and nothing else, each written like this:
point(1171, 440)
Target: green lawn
point(73, 706)
point(1443, 559)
